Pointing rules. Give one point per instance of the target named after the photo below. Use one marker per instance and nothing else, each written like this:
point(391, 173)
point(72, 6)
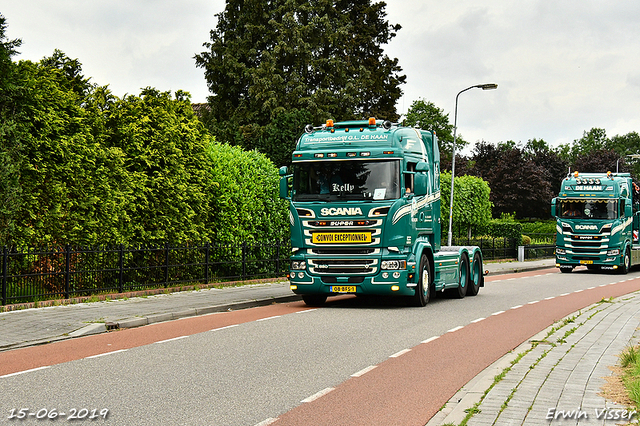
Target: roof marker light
point(329, 123)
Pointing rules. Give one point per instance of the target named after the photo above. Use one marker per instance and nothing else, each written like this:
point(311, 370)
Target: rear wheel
point(463, 277)
point(314, 299)
point(476, 275)
point(423, 290)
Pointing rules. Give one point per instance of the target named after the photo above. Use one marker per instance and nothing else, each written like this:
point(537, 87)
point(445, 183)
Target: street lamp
point(488, 86)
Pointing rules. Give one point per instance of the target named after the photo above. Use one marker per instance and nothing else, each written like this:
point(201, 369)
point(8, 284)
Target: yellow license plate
point(341, 237)
point(343, 289)
point(586, 262)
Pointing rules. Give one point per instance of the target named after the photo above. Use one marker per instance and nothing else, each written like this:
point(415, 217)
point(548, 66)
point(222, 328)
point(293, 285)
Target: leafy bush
point(243, 194)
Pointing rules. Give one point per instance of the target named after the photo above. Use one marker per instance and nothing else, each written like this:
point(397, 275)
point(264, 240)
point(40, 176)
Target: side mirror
point(284, 187)
point(628, 210)
point(553, 208)
point(420, 184)
point(283, 171)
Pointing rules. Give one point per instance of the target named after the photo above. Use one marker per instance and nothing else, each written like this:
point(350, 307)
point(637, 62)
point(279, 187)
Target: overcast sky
point(563, 67)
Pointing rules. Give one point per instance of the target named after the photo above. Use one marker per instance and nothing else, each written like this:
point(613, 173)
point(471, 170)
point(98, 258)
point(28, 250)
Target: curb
point(98, 328)
point(170, 316)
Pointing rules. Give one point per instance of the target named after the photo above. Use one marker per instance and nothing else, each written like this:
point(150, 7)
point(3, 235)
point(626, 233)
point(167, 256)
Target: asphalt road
point(248, 367)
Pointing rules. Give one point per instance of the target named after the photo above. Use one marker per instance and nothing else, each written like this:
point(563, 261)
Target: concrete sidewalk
point(41, 325)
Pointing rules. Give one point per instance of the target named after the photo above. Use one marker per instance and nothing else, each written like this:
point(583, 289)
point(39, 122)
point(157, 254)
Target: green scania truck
point(597, 222)
point(365, 215)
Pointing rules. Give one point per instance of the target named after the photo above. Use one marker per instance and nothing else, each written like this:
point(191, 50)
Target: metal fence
point(63, 272)
point(507, 248)
point(41, 274)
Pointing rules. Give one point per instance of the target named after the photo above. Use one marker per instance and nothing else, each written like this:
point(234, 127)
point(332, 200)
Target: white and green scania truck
point(365, 215)
point(597, 222)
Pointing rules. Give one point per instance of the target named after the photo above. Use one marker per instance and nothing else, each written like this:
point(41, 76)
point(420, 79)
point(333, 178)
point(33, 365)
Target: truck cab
point(365, 214)
point(597, 222)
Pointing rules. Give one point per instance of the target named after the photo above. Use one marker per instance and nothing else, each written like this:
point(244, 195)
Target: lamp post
point(488, 86)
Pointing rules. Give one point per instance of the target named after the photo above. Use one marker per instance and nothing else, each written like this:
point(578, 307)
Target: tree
point(471, 202)
point(163, 145)
point(427, 116)
point(600, 161)
point(321, 58)
point(10, 136)
point(542, 155)
point(517, 184)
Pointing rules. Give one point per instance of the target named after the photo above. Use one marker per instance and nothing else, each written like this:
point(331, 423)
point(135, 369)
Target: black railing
point(63, 272)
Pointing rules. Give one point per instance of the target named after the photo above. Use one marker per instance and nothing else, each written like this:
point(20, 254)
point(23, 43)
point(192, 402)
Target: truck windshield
point(589, 209)
point(348, 180)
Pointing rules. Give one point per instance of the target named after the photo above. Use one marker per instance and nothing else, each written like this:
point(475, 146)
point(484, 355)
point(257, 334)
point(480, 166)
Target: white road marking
point(266, 422)
point(455, 329)
point(477, 320)
point(106, 353)
point(497, 313)
point(269, 318)
point(430, 339)
point(516, 307)
point(363, 371)
point(25, 371)
point(307, 310)
point(225, 327)
point(402, 352)
point(171, 340)
point(317, 395)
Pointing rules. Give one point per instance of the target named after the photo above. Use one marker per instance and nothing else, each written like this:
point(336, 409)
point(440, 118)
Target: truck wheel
point(476, 276)
point(626, 262)
point(463, 280)
point(314, 299)
point(566, 269)
point(423, 290)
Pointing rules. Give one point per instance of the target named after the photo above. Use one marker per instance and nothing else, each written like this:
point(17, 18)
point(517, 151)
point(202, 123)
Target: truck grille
point(343, 266)
point(587, 245)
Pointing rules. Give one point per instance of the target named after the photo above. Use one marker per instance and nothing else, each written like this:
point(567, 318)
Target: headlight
point(560, 251)
point(298, 264)
point(613, 252)
point(394, 264)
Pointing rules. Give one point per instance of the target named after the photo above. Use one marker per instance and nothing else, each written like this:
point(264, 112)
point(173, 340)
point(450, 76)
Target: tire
point(423, 290)
point(566, 270)
point(476, 278)
point(314, 299)
point(626, 262)
point(463, 278)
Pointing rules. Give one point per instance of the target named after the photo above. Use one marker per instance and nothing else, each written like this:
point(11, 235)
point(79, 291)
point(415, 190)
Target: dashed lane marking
point(105, 354)
point(171, 340)
point(225, 327)
point(364, 371)
point(25, 371)
point(268, 318)
point(402, 352)
point(317, 395)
